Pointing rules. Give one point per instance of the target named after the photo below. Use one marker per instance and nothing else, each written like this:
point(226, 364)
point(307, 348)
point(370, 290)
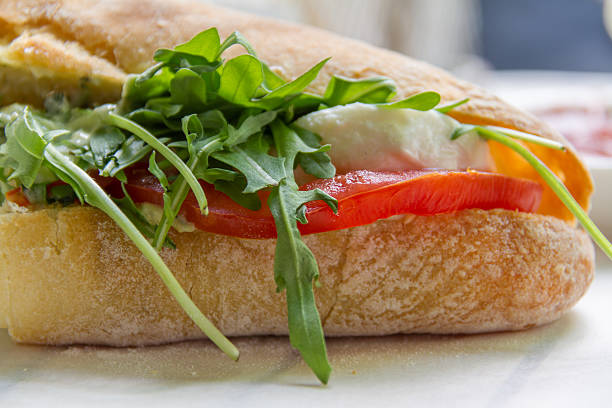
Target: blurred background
point(465, 36)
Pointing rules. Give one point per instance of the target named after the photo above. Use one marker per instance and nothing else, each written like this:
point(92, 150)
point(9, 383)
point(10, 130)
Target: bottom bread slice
point(71, 276)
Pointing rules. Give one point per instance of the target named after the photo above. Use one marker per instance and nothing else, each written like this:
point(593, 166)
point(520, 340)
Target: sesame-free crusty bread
point(73, 277)
point(70, 276)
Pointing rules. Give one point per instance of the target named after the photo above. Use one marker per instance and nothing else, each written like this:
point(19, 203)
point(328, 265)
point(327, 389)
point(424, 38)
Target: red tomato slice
point(363, 197)
point(17, 196)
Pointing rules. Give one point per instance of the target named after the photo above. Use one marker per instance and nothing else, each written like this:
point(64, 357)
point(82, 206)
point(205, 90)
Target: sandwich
point(167, 167)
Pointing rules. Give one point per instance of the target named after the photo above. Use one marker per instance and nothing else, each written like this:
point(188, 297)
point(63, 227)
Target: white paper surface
point(567, 363)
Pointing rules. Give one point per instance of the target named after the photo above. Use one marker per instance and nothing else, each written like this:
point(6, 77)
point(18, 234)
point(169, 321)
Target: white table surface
point(567, 363)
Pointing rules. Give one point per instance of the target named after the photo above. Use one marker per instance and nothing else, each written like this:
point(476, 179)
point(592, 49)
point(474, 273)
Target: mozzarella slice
point(373, 138)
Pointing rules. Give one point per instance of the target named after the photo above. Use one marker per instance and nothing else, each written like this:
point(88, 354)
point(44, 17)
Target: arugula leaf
point(205, 44)
point(271, 80)
point(189, 90)
point(252, 124)
point(146, 117)
point(423, 101)
point(63, 194)
point(240, 79)
point(131, 151)
point(461, 130)
point(104, 142)
point(316, 163)
point(295, 267)
point(527, 137)
point(288, 145)
point(235, 38)
point(260, 169)
point(170, 208)
point(199, 150)
point(177, 60)
point(156, 144)
point(277, 97)
point(234, 190)
point(138, 89)
point(342, 91)
point(192, 125)
point(213, 120)
point(148, 73)
point(157, 172)
point(212, 175)
point(167, 107)
point(24, 149)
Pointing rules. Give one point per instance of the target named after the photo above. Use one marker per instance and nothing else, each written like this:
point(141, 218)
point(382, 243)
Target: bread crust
point(465, 272)
point(96, 35)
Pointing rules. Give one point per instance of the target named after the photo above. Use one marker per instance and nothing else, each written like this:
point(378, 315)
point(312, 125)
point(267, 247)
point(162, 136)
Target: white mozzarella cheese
point(373, 138)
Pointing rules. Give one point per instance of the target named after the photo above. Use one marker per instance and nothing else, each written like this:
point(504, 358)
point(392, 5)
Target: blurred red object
point(588, 129)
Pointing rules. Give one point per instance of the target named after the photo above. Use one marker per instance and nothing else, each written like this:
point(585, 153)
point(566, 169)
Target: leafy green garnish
point(156, 144)
point(450, 107)
point(23, 150)
point(62, 194)
point(342, 91)
point(104, 143)
point(423, 101)
point(199, 149)
point(318, 163)
point(527, 137)
point(240, 79)
point(205, 44)
point(234, 38)
point(291, 89)
point(295, 266)
point(131, 210)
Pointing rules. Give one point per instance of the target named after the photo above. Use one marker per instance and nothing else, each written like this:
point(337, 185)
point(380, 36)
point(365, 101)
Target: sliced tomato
point(363, 197)
point(17, 196)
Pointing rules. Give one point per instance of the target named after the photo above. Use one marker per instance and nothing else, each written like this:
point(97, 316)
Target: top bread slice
point(464, 272)
point(85, 48)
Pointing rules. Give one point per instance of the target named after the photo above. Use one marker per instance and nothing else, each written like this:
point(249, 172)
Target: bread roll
point(71, 276)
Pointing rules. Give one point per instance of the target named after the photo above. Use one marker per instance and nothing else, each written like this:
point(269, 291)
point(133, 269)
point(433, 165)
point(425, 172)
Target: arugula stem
point(527, 137)
point(95, 196)
point(165, 151)
point(178, 196)
point(109, 166)
point(164, 164)
point(554, 183)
